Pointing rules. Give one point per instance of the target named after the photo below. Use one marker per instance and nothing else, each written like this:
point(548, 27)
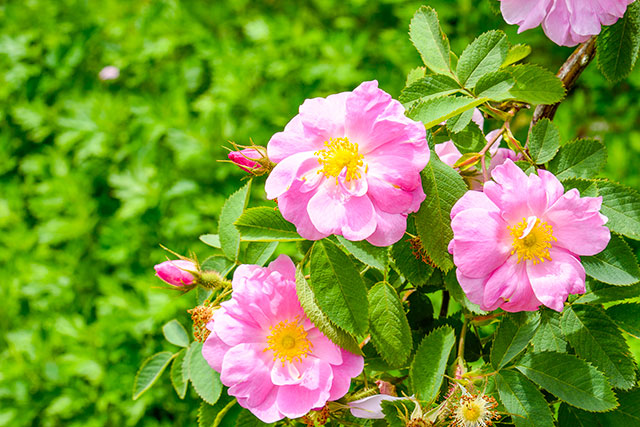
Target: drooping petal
point(351, 366)
point(525, 13)
point(246, 370)
point(509, 288)
point(213, 351)
point(296, 400)
point(286, 172)
point(552, 281)
point(371, 407)
point(294, 208)
point(389, 229)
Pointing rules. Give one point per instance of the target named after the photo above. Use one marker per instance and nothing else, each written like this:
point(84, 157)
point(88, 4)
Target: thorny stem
point(568, 73)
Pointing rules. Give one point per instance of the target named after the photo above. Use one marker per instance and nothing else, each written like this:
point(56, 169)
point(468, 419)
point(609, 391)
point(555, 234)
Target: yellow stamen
point(288, 341)
point(532, 240)
point(340, 154)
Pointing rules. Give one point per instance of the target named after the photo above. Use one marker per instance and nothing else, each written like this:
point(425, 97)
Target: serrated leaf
point(438, 110)
point(413, 269)
point(263, 224)
point(430, 363)
point(569, 378)
point(598, 340)
point(259, 252)
point(150, 371)
point(217, 263)
point(394, 410)
point(427, 36)
point(568, 416)
point(621, 205)
point(457, 123)
point(212, 240)
point(544, 141)
point(627, 414)
point(598, 292)
point(495, 86)
point(231, 211)
point(549, 336)
point(175, 333)
point(516, 53)
point(247, 419)
point(177, 378)
point(582, 158)
point(338, 336)
point(338, 287)
point(512, 336)
point(214, 415)
point(205, 381)
point(374, 256)
point(535, 85)
point(523, 400)
point(586, 187)
point(390, 331)
point(428, 87)
point(415, 74)
point(627, 317)
point(469, 140)
point(484, 55)
point(618, 45)
point(616, 265)
point(443, 187)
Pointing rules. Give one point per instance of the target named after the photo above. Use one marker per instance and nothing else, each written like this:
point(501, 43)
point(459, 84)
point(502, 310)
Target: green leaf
point(413, 269)
point(415, 74)
point(430, 363)
point(175, 333)
point(616, 265)
point(265, 224)
point(495, 86)
point(535, 85)
point(622, 206)
point(390, 331)
point(512, 336)
point(427, 36)
point(598, 340)
point(247, 419)
point(523, 400)
point(457, 123)
point(206, 381)
point(212, 240)
point(569, 378)
point(618, 45)
point(427, 88)
point(568, 416)
point(259, 252)
point(443, 187)
point(544, 141)
point(598, 292)
point(627, 414)
point(437, 110)
point(338, 287)
point(516, 53)
point(178, 379)
point(549, 336)
point(231, 211)
point(582, 158)
point(218, 263)
point(395, 410)
point(364, 251)
point(627, 317)
point(338, 336)
point(215, 415)
point(484, 55)
point(457, 293)
point(150, 371)
point(586, 187)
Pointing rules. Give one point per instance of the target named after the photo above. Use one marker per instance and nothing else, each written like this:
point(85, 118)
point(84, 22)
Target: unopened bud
point(247, 159)
point(177, 272)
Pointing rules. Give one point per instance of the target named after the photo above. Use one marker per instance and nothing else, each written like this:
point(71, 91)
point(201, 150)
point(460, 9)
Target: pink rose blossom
point(371, 407)
point(565, 22)
point(518, 243)
point(246, 159)
point(272, 358)
point(349, 164)
point(176, 273)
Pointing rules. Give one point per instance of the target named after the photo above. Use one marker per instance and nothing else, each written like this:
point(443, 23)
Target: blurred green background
point(95, 174)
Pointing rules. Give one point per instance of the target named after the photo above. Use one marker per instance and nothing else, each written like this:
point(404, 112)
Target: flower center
point(288, 341)
point(472, 411)
point(340, 154)
point(532, 239)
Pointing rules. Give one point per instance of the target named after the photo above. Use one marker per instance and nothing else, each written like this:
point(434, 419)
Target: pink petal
point(552, 281)
point(323, 348)
point(509, 288)
point(352, 365)
point(296, 400)
point(480, 242)
point(292, 140)
point(448, 153)
point(388, 197)
point(371, 407)
point(267, 411)
point(507, 191)
point(324, 118)
point(389, 228)
point(287, 171)
point(331, 212)
point(525, 13)
point(293, 206)
point(284, 266)
point(473, 199)
point(552, 186)
point(473, 288)
point(246, 370)
point(213, 351)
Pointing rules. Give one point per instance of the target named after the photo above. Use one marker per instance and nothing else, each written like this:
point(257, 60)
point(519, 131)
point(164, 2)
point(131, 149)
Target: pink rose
point(246, 159)
point(565, 22)
point(176, 273)
point(349, 164)
point(517, 244)
point(272, 358)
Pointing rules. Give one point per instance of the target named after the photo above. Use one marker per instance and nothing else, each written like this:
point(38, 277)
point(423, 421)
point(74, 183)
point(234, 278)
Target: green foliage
point(390, 332)
point(150, 371)
point(484, 55)
point(440, 109)
point(430, 40)
point(205, 381)
point(621, 205)
point(264, 224)
point(579, 159)
point(338, 288)
point(180, 375)
point(627, 317)
point(231, 211)
point(618, 45)
point(536, 85)
point(512, 336)
point(544, 141)
point(373, 256)
point(430, 362)
point(175, 333)
point(616, 265)
point(427, 88)
point(523, 400)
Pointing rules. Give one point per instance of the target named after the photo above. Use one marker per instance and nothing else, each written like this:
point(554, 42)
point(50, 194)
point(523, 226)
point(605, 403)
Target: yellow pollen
point(288, 341)
point(340, 154)
point(472, 411)
point(532, 240)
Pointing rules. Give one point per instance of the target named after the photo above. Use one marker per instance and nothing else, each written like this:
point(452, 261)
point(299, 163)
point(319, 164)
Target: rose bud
point(176, 273)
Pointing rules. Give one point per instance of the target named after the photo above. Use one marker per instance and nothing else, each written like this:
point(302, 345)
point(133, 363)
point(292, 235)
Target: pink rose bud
point(246, 159)
point(176, 273)
point(109, 73)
